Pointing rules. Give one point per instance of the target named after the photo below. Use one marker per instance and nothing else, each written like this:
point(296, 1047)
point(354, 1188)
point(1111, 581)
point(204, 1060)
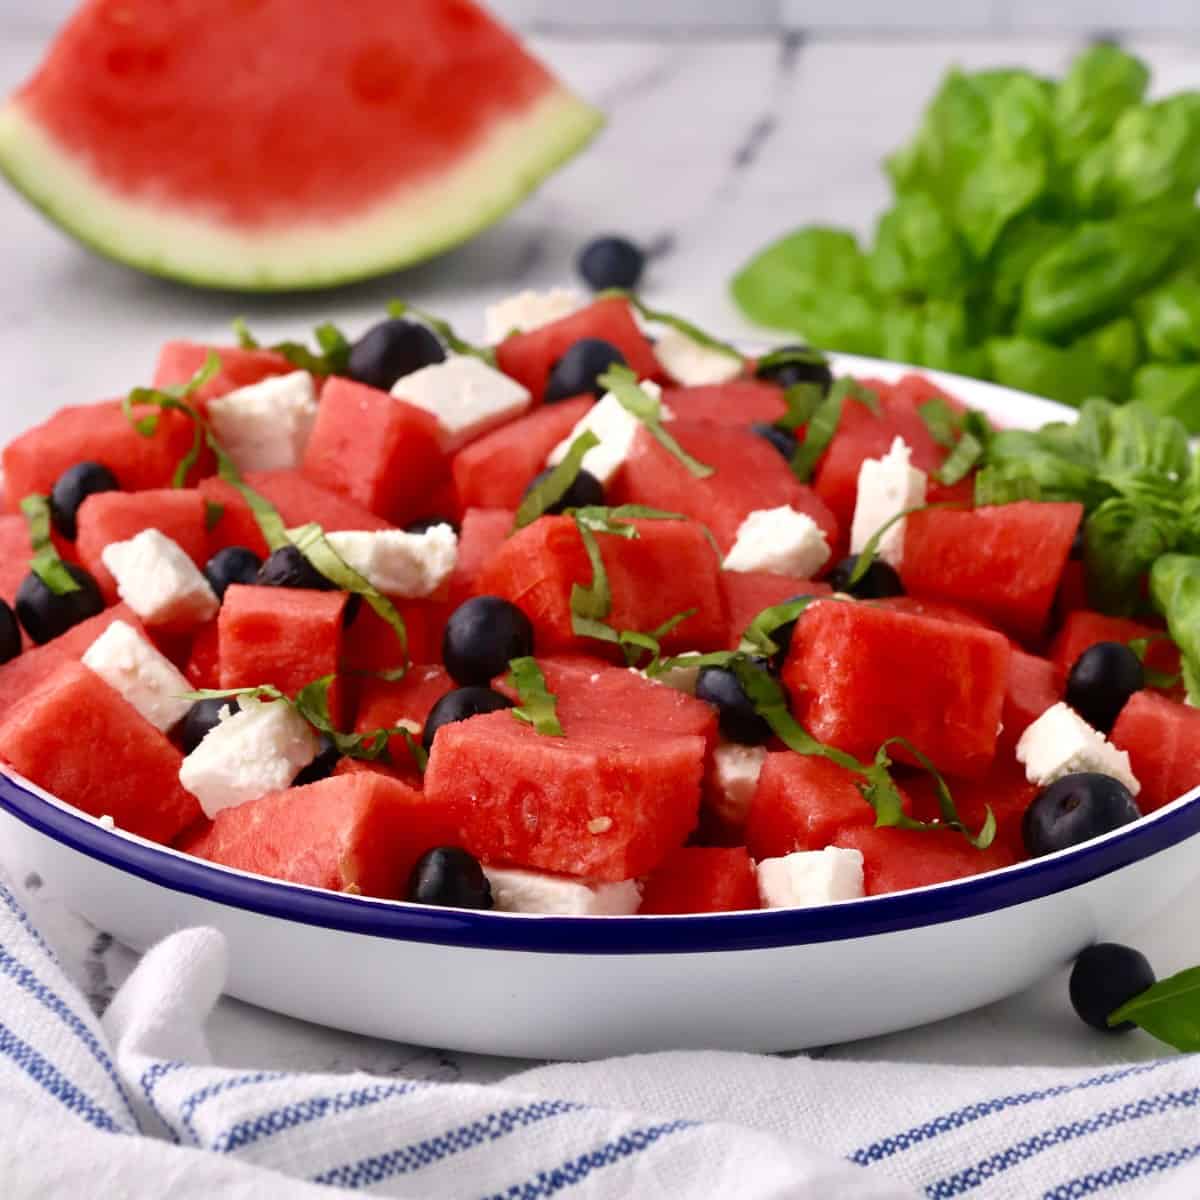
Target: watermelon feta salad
point(589, 621)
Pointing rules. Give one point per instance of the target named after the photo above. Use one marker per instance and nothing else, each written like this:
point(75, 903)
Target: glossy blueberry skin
point(46, 616)
point(584, 491)
point(425, 524)
point(234, 564)
point(1076, 809)
point(578, 371)
point(10, 633)
point(288, 568)
point(1106, 976)
point(322, 766)
point(458, 705)
point(1101, 681)
point(451, 878)
point(482, 636)
point(392, 349)
point(780, 439)
point(787, 375)
point(203, 717)
point(72, 488)
point(736, 716)
point(611, 262)
point(879, 581)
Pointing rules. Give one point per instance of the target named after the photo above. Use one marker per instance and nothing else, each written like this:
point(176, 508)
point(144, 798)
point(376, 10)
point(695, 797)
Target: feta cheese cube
point(811, 877)
point(411, 565)
point(691, 364)
point(736, 769)
point(146, 679)
point(1060, 742)
point(536, 892)
point(615, 426)
point(780, 540)
point(260, 748)
point(465, 395)
point(159, 582)
point(266, 426)
point(529, 310)
point(886, 487)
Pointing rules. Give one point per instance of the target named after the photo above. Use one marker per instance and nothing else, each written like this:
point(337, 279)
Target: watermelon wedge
point(284, 144)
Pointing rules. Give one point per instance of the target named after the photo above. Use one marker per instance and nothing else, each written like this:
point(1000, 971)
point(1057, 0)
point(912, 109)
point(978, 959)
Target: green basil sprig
point(557, 484)
point(539, 706)
point(623, 384)
point(1169, 1011)
point(332, 356)
point(46, 563)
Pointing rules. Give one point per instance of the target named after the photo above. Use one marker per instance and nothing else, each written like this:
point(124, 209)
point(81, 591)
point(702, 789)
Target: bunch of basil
point(1044, 235)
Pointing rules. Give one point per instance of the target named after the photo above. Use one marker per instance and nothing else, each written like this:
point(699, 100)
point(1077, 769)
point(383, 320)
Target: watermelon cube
point(602, 803)
point(530, 357)
point(742, 402)
point(15, 552)
point(895, 860)
point(179, 361)
point(117, 516)
point(1083, 629)
point(386, 704)
point(859, 675)
point(1162, 738)
point(1034, 685)
point(702, 879)
point(360, 832)
point(78, 739)
point(936, 610)
point(483, 532)
point(747, 593)
point(494, 470)
point(370, 644)
point(667, 569)
point(378, 451)
point(1003, 562)
point(202, 667)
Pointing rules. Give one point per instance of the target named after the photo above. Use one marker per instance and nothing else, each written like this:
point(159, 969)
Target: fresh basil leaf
point(691, 332)
point(943, 423)
point(173, 399)
point(419, 755)
point(716, 658)
point(46, 562)
point(802, 400)
point(821, 429)
point(869, 552)
point(312, 703)
point(1172, 389)
point(950, 818)
point(213, 512)
point(538, 706)
point(634, 644)
point(245, 339)
point(1122, 541)
point(1175, 593)
point(443, 329)
point(1005, 485)
point(623, 384)
point(961, 461)
point(1101, 84)
point(557, 484)
point(590, 605)
point(1169, 1011)
point(264, 691)
point(332, 357)
point(918, 251)
point(758, 633)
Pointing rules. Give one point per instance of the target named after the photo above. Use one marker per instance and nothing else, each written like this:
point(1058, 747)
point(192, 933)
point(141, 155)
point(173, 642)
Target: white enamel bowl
point(580, 987)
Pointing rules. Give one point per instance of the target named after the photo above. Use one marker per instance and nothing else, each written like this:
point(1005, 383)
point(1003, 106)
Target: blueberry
point(879, 581)
point(580, 368)
point(451, 878)
point(46, 615)
point(611, 262)
point(203, 717)
point(425, 524)
point(584, 491)
point(736, 715)
point(1105, 977)
point(288, 568)
point(392, 349)
point(788, 374)
point(783, 441)
point(322, 766)
point(482, 636)
point(458, 705)
point(234, 564)
point(10, 633)
point(72, 488)
point(1074, 809)
point(1102, 680)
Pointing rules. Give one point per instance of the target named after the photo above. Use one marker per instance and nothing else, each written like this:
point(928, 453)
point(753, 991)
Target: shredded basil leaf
point(635, 644)
point(941, 420)
point(1005, 485)
point(802, 400)
point(716, 658)
point(693, 332)
point(265, 691)
point(623, 384)
point(538, 706)
point(961, 460)
point(868, 554)
point(246, 340)
point(172, 399)
point(46, 563)
point(443, 329)
point(331, 358)
point(1169, 1011)
point(822, 426)
point(213, 512)
point(557, 484)
point(758, 632)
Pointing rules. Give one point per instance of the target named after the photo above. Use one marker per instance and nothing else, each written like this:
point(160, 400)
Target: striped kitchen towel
point(132, 1106)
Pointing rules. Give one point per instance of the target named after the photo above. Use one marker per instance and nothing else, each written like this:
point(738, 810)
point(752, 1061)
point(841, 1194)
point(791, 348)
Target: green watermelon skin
point(1162, 739)
point(700, 879)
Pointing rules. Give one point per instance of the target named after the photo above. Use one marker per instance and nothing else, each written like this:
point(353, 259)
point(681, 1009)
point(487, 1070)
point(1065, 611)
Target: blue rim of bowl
point(697, 934)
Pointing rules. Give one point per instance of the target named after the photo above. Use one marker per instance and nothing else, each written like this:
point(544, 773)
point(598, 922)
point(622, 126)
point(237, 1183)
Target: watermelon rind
point(416, 223)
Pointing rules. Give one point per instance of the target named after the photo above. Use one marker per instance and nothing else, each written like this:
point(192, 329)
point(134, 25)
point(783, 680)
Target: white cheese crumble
point(259, 749)
point(158, 581)
point(811, 877)
point(529, 310)
point(615, 426)
point(397, 563)
point(736, 769)
point(142, 676)
point(106, 821)
point(1060, 742)
point(887, 487)
point(780, 540)
point(266, 426)
point(536, 892)
point(465, 395)
point(691, 364)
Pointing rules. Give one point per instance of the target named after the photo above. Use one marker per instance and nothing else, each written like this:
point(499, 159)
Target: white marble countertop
point(712, 147)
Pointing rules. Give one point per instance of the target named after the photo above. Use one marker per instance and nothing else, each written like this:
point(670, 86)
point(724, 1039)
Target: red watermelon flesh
point(117, 516)
point(15, 552)
point(529, 357)
point(936, 610)
point(603, 803)
point(494, 470)
point(702, 879)
point(802, 802)
point(179, 361)
point(78, 739)
point(859, 675)
point(203, 666)
point(741, 402)
point(747, 593)
point(384, 704)
point(1003, 562)
point(895, 860)
point(97, 433)
point(370, 644)
point(483, 532)
point(669, 568)
point(1034, 685)
point(749, 475)
point(359, 832)
point(1162, 739)
point(1083, 629)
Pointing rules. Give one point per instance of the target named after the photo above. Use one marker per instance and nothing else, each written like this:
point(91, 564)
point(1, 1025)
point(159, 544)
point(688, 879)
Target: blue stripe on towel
point(187, 1110)
point(1122, 1173)
point(149, 1081)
